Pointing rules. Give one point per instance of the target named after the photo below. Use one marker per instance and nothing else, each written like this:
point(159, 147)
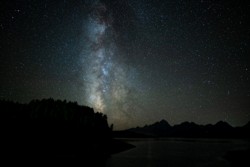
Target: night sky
point(138, 61)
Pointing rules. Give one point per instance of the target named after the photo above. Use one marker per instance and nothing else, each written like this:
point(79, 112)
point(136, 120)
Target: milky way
point(106, 81)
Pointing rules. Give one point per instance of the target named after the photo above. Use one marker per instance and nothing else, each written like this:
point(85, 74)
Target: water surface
point(176, 152)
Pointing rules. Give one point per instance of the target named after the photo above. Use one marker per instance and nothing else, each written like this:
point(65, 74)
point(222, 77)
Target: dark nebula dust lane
point(138, 61)
point(107, 88)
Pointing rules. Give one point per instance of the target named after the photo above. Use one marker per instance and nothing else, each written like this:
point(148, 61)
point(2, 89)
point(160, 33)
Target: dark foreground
point(169, 152)
point(50, 132)
point(93, 154)
point(46, 131)
point(175, 152)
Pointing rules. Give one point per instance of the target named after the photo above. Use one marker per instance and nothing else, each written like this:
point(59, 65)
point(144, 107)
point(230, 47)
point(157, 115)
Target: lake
point(174, 152)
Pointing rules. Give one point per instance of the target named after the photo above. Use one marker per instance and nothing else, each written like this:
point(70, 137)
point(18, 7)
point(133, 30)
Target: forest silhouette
point(54, 128)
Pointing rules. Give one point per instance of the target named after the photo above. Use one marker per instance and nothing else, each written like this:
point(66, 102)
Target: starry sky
point(138, 61)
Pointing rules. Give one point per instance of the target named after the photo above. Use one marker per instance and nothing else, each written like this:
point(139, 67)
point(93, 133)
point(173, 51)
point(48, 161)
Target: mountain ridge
point(221, 129)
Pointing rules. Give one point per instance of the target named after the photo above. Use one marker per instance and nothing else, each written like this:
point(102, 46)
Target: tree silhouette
point(55, 126)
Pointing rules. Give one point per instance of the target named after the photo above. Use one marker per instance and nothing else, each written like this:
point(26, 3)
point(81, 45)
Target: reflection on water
point(176, 152)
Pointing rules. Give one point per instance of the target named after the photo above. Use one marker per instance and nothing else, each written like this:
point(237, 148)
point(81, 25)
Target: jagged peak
point(186, 124)
point(162, 122)
point(223, 124)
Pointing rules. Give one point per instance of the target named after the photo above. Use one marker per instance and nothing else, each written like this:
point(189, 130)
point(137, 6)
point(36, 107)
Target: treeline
point(53, 127)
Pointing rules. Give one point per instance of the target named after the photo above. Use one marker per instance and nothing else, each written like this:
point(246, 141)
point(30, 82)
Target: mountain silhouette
point(158, 128)
point(190, 129)
point(222, 125)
